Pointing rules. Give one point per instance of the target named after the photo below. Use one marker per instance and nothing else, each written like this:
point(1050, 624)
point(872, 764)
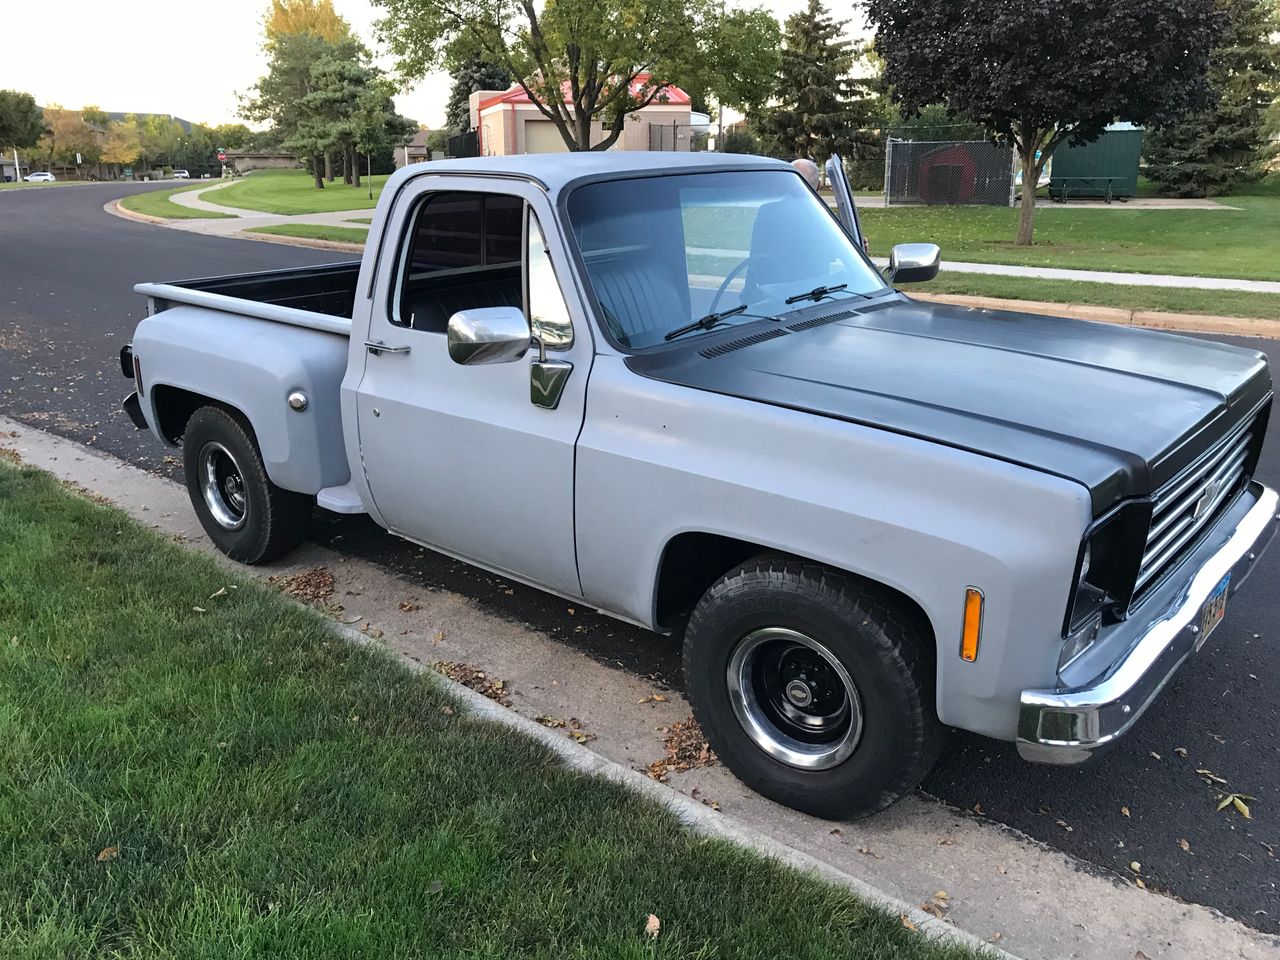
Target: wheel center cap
point(799, 694)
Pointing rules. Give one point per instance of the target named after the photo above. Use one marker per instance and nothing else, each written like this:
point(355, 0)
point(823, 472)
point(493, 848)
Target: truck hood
point(1117, 409)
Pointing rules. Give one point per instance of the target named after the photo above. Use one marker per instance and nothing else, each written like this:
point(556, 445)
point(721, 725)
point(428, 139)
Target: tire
point(246, 516)
point(767, 652)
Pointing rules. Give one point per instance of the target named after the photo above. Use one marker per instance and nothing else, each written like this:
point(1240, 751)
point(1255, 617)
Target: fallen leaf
point(549, 721)
point(1063, 825)
point(946, 841)
point(652, 927)
point(108, 853)
point(1156, 755)
point(995, 937)
point(1138, 881)
point(977, 808)
point(199, 609)
point(437, 636)
point(837, 832)
point(941, 895)
point(1180, 751)
point(1000, 868)
point(1241, 806)
point(906, 922)
point(447, 710)
point(1210, 776)
point(1124, 811)
point(1136, 867)
point(1185, 845)
point(867, 851)
point(221, 592)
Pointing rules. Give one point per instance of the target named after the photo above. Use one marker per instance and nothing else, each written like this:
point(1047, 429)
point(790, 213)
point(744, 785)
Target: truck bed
point(320, 297)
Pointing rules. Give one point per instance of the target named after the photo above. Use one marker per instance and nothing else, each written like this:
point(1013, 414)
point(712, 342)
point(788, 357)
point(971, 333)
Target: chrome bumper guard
point(1067, 726)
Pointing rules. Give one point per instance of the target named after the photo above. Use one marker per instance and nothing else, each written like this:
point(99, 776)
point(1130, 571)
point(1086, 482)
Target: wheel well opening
point(692, 562)
point(174, 407)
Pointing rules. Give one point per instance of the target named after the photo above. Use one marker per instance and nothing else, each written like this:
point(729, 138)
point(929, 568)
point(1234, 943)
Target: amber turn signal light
point(972, 624)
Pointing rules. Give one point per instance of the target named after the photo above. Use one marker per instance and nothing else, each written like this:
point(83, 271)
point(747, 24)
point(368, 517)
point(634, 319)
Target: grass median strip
point(294, 191)
point(1225, 303)
point(1241, 243)
point(156, 203)
point(192, 765)
point(315, 231)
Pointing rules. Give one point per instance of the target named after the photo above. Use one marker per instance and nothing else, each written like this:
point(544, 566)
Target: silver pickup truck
point(673, 387)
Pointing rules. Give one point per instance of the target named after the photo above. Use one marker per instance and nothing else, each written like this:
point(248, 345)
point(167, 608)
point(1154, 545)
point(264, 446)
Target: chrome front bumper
point(1066, 726)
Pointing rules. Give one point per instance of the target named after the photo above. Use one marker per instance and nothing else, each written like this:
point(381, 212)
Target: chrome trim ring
point(794, 698)
point(222, 486)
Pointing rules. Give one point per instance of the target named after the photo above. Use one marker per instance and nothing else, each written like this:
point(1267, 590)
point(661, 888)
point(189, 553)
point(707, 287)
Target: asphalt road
point(66, 306)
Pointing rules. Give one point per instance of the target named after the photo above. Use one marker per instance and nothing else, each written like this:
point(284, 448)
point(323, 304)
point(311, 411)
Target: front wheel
point(246, 516)
point(814, 688)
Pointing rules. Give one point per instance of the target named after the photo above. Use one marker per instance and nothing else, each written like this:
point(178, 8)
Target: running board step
point(343, 499)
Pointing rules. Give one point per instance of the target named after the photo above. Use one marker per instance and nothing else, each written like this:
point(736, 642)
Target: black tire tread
point(286, 516)
point(856, 601)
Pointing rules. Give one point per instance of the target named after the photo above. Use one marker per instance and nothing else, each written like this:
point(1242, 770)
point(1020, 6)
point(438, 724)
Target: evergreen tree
point(471, 75)
point(1213, 150)
point(818, 108)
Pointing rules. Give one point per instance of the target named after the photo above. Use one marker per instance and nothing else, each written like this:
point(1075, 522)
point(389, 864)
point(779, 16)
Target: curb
point(124, 213)
point(696, 816)
point(298, 241)
point(1149, 319)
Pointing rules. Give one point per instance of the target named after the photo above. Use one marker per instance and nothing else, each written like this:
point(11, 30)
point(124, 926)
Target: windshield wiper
point(817, 293)
point(707, 322)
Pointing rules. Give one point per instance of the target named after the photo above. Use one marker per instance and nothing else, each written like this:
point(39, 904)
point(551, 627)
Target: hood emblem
point(1207, 498)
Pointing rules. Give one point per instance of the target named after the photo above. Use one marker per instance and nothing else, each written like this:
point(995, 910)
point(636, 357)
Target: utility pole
point(17, 170)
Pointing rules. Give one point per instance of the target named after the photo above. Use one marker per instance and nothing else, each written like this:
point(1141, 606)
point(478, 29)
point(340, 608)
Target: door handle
point(377, 347)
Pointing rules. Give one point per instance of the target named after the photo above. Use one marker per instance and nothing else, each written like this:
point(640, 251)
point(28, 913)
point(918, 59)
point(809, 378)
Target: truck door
point(473, 460)
point(846, 209)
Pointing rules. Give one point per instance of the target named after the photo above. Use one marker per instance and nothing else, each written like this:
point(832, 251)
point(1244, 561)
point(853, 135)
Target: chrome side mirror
point(913, 263)
point(488, 335)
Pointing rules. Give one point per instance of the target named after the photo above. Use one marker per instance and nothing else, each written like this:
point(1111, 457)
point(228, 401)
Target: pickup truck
point(674, 388)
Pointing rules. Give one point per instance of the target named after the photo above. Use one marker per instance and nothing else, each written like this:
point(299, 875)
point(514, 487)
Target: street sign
point(222, 154)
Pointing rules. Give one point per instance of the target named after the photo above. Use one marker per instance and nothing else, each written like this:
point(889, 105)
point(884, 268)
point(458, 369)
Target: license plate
point(1214, 609)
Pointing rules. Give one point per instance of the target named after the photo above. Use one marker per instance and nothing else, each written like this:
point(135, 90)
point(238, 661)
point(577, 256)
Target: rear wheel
point(815, 688)
point(247, 516)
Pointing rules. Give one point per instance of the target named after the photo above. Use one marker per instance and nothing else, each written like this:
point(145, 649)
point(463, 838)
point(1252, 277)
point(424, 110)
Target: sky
point(157, 58)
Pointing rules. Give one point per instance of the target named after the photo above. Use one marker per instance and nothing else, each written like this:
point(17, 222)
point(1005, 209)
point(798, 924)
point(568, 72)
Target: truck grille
point(1190, 502)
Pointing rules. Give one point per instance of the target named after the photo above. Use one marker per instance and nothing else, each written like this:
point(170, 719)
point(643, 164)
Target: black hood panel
point(1118, 409)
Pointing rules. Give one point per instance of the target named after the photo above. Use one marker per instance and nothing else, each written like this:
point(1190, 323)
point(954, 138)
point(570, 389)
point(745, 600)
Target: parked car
point(672, 387)
point(40, 177)
point(181, 175)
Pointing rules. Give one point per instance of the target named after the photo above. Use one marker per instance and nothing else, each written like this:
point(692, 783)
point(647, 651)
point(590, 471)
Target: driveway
point(66, 307)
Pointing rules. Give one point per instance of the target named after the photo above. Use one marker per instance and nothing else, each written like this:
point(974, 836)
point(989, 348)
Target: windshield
point(661, 252)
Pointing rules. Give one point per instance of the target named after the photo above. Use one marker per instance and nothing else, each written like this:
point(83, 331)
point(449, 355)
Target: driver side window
point(464, 251)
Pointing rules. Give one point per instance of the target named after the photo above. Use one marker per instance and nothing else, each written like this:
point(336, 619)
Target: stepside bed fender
point(188, 354)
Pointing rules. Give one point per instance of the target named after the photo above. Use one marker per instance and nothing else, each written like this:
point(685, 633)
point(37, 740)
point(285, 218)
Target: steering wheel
point(729, 278)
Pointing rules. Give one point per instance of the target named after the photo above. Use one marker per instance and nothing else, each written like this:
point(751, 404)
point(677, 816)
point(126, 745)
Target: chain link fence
point(948, 173)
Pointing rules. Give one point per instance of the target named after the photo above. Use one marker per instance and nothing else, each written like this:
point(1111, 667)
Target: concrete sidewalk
point(1108, 276)
point(1031, 900)
point(242, 219)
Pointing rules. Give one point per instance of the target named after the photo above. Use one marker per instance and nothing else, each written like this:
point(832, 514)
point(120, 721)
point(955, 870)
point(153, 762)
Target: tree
point(123, 144)
point(818, 108)
point(472, 74)
point(288, 18)
point(1039, 74)
point(376, 125)
point(1213, 150)
point(21, 121)
point(66, 137)
point(579, 61)
point(740, 141)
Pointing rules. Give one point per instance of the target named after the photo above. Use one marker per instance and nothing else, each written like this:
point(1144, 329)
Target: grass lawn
point(22, 184)
point(294, 191)
point(315, 231)
point(156, 203)
point(361, 220)
point(1222, 243)
point(1228, 303)
point(190, 766)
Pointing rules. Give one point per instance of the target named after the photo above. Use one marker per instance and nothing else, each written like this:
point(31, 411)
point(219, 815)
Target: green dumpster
point(1106, 169)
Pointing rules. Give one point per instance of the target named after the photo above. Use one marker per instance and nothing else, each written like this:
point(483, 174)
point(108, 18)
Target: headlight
point(1107, 565)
